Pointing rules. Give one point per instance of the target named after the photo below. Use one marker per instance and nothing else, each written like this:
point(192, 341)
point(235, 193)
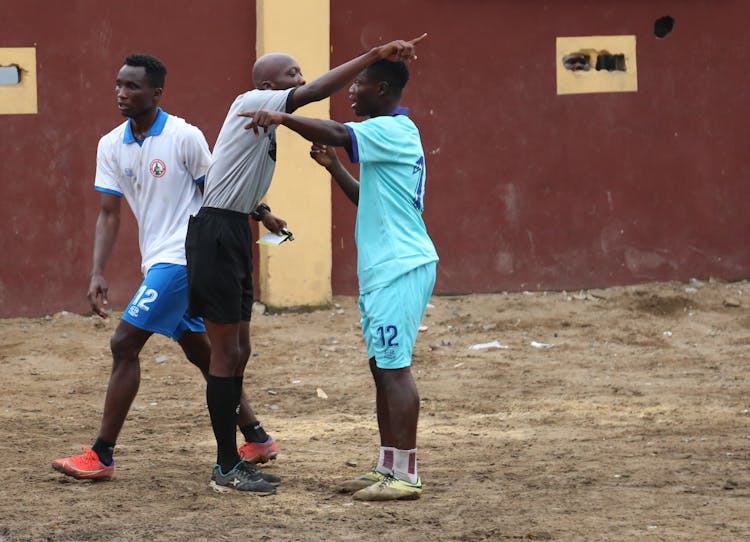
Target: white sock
point(405, 465)
point(385, 460)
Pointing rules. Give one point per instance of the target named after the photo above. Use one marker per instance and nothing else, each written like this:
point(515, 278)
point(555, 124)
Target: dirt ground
point(633, 425)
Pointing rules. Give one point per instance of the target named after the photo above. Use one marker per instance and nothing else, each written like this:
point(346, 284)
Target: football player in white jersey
point(158, 163)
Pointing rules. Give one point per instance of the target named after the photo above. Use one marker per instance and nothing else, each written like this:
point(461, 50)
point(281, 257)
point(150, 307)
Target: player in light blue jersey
point(396, 260)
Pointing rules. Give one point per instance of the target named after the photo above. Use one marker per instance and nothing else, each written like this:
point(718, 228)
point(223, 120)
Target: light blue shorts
point(391, 316)
point(160, 304)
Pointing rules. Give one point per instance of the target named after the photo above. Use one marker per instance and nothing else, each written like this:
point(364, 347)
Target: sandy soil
point(634, 425)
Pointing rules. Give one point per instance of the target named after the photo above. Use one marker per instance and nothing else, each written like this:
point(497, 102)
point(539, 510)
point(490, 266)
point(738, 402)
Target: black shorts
point(219, 265)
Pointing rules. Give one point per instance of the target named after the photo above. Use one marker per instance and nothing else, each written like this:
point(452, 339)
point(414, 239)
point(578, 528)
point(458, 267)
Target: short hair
point(396, 74)
point(156, 72)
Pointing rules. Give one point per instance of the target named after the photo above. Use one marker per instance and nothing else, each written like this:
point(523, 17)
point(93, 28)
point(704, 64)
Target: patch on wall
point(589, 64)
point(18, 80)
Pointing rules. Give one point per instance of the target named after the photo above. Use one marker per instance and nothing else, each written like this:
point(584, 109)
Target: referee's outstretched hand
point(263, 119)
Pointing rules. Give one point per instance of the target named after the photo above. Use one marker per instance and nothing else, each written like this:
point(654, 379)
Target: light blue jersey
point(390, 234)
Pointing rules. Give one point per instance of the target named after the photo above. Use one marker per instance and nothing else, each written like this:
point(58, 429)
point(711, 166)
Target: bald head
point(277, 71)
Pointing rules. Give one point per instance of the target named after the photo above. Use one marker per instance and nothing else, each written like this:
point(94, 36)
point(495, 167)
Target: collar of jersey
point(156, 128)
point(400, 111)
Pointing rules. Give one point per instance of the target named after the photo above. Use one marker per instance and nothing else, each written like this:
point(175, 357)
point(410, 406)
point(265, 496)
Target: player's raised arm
point(400, 49)
point(326, 132)
point(334, 80)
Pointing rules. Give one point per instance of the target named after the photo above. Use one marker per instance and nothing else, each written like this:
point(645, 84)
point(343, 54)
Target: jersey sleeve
point(106, 171)
point(195, 154)
point(272, 100)
point(369, 142)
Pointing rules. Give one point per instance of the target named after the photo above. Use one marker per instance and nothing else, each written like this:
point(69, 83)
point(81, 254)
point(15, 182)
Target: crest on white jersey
point(157, 168)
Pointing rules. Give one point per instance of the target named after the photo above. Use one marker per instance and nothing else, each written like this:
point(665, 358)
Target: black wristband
point(258, 213)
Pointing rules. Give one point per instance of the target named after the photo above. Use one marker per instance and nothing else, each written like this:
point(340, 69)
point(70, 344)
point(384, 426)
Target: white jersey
point(242, 165)
point(159, 178)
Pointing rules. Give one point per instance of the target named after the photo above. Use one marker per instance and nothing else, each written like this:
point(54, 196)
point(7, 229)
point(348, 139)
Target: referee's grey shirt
point(242, 165)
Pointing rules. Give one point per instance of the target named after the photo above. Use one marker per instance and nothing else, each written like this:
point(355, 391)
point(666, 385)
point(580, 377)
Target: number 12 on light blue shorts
point(160, 304)
point(391, 316)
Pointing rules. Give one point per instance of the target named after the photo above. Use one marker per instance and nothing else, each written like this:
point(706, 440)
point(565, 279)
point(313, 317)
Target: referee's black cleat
point(243, 478)
point(270, 478)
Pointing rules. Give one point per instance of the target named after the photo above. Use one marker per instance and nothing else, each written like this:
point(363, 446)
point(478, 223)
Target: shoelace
point(91, 455)
point(248, 471)
point(388, 479)
point(391, 477)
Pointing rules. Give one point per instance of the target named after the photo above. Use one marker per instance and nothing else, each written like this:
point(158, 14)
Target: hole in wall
point(604, 60)
point(663, 26)
point(10, 75)
point(610, 63)
point(577, 62)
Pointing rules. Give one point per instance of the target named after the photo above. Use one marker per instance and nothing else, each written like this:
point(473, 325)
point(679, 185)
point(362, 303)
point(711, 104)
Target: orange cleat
point(259, 452)
point(85, 466)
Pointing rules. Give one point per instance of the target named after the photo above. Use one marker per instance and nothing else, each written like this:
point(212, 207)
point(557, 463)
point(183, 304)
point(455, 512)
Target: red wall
point(49, 206)
point(530, 190)
point(526, 189)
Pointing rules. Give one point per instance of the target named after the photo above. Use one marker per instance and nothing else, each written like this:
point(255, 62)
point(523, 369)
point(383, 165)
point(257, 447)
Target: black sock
point(104, 450)
point(223, 398)
point(254, 432)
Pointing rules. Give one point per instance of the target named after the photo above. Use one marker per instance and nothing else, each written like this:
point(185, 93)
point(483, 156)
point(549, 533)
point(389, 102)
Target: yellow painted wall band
point(298, 272)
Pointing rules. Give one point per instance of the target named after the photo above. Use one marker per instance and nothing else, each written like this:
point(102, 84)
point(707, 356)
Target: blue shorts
point(160, 304)
point(391, 316)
